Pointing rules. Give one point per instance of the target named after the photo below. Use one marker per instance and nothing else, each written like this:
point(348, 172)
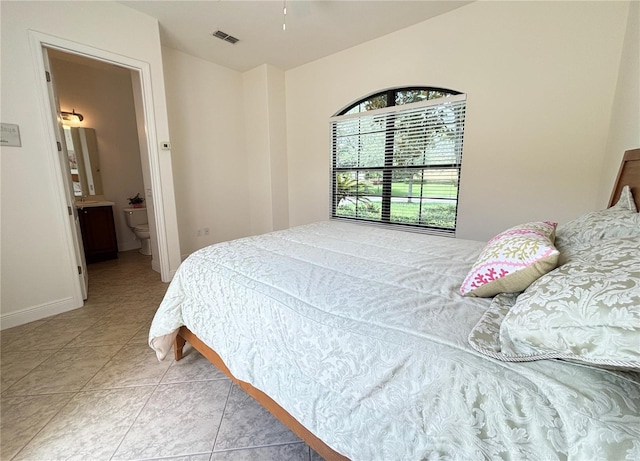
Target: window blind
point(399, 164)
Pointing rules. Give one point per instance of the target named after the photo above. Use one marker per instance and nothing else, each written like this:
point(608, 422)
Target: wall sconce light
point(72, 116)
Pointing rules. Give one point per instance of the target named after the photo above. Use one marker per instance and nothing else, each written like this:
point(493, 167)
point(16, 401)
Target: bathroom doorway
point(100, 100)
point(164, 246)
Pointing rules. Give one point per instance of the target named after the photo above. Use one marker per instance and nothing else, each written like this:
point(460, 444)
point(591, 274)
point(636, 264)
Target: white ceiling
point(314, 28)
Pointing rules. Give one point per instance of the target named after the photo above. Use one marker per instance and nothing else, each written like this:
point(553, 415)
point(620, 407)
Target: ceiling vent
point(226, 37)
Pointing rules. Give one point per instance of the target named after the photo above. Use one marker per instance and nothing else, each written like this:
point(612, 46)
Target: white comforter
point(361, 334)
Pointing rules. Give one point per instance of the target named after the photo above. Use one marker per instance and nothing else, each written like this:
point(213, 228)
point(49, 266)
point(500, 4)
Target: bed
point(358, 338)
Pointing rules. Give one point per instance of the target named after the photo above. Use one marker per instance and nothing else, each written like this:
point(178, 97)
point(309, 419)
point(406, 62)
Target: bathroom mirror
point(84, 162)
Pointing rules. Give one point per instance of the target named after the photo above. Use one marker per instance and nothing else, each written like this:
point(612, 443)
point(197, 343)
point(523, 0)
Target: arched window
point(396, 158)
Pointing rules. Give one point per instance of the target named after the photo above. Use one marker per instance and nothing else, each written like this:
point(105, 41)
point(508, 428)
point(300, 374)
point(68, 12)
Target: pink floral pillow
point(512, 260)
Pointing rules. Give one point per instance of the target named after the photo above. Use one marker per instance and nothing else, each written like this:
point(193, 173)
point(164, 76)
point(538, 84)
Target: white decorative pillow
point(587, 310)
point(621, 220)
point(512, 260)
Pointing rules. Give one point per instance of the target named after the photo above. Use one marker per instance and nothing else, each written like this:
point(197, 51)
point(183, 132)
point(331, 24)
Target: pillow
point(512, 260)
point(587, 310)
point(621, 220)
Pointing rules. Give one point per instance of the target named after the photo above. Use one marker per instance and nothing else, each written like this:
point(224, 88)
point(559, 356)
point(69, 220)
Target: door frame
point(39, 41)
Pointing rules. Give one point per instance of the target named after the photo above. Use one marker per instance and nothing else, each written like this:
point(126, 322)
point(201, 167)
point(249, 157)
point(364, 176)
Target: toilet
point(136, 219)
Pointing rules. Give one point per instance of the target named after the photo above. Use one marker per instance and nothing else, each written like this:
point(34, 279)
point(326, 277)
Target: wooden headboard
point(629, 174)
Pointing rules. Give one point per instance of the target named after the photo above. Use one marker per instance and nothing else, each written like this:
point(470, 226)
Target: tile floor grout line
point(12, 396)
point(224, 410)
point(3, 393)
point(155, 388)
point(44, 425)
point(79, 333)
point(124, 436)
point(54, 352)
point(171, 456)
point(252, 447)
point(173, 362)
point(101, 368)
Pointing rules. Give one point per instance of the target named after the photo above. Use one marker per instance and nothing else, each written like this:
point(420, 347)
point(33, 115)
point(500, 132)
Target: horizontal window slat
point(443, 166)
point(399, 165)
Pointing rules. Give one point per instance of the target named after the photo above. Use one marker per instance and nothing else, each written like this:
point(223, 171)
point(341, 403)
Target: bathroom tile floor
point(84, 385)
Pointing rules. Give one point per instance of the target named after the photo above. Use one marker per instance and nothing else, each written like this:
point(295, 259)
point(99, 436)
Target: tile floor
point(84, 385)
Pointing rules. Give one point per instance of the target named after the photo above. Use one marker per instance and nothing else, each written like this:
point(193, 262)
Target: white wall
point(256, 132)
point(103, 94)
point(229, 149)
point(539, 78)
point(265, 135)
point(624, 130)
point(36, 274)
point(205, 103)
point(276, 102)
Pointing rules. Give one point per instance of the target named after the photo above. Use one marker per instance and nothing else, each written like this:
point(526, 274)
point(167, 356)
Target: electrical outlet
point(206, 231)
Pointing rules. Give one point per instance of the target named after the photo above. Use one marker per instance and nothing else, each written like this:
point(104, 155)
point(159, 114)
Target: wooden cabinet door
point(98, 233)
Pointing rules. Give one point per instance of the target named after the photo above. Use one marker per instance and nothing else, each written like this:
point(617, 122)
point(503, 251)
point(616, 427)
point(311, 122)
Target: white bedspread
point(361, 334)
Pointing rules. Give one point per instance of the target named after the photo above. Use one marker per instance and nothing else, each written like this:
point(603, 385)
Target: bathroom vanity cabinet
point(98, 233)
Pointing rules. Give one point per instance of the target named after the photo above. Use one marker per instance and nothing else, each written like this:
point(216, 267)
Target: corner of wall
point(276, 106)
point(265, 126)
point(625, 112)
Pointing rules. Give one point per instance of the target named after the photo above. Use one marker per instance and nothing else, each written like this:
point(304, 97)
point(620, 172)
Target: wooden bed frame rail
point(185, 335)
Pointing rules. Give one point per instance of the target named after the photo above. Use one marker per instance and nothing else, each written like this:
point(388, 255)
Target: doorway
point(97, 99)
point(148, 148)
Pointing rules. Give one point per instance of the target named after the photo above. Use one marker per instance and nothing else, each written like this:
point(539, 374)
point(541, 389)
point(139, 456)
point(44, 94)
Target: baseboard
point(31, 314)
point(128, 246)
point(155, 265)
